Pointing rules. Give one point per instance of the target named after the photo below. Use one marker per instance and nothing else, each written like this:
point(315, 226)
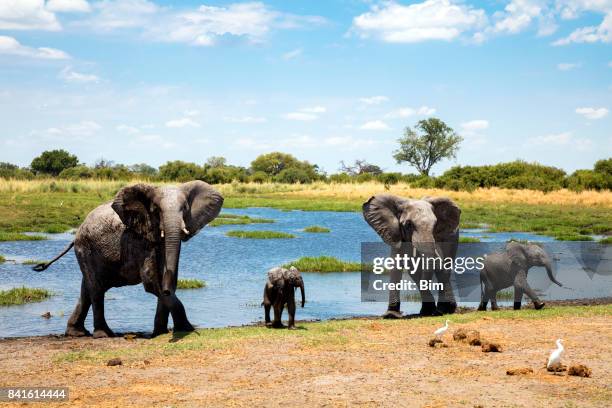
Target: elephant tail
point(42, 266)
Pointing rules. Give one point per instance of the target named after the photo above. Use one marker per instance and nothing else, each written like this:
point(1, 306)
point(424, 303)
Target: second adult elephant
point(510, 268)
point(137, 238)
point(431, 228)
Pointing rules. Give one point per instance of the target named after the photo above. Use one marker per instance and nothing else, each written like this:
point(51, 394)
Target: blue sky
point(150, 81)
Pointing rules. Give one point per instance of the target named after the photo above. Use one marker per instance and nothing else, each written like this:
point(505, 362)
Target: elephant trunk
point(550, 274)
point(302, 292)
point(172, 231)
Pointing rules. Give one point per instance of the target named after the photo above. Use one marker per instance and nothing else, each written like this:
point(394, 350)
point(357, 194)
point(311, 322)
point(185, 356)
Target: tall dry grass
point(347, 191)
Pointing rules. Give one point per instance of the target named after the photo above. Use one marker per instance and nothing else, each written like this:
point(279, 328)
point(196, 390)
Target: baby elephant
point(504, 269)
point(280, 291)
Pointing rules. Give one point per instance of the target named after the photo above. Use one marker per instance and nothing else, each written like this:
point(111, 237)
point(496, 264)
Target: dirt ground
point(353, 363)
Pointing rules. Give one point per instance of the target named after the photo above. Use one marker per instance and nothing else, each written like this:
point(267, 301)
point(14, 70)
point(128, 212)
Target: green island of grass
point(606, 240)
point(22, 295)
point(18, 236)
point(316, 229)
point(235, 219)
point(324, 264)
point(32, 262)
point(2, 259)
point(190, 284)
point(468, 240)
point(258, 234)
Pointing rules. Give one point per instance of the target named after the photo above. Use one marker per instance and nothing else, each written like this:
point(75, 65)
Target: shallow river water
point(235, 272)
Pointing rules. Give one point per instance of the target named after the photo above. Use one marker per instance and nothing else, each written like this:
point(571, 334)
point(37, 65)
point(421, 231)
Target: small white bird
point(442, 330)
point(555, 355)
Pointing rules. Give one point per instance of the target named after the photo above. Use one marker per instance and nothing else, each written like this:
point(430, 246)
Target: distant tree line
point(285, 168)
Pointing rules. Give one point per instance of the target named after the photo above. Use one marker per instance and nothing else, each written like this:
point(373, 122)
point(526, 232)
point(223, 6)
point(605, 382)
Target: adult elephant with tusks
point(137, 238)
point(426, 228)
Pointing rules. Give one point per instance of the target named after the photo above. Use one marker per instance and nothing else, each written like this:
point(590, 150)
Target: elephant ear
point(447, 214)
point(517, 254)
point(382, 212)
point(204, 205)
point(276, 277)
point(134, 206)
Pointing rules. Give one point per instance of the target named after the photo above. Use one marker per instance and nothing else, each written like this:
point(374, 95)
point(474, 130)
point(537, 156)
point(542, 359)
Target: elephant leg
point(393, 310)
point(428, 306)
point(446, 297)
point(492, 294)
point(179, 317)
point(267, 304)
point(76, 323)
point(101, 328)
point(278, 313)
point(161, 319)
point(484, 299)
point(267, 308)
point(521, 282)
point(291, 312)
point(518, 296)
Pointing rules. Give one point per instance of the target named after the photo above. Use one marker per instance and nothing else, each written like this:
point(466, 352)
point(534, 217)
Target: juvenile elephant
point(510, 268)
point(427, 227)
point(280, 291)
point(137, 238)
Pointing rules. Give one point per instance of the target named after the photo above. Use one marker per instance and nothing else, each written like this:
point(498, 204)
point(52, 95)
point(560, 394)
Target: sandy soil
point(368, 363)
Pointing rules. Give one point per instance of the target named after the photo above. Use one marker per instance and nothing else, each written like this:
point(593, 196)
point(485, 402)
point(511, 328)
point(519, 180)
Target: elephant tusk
point(186, 231)
point(162, 233)
point(414, 254)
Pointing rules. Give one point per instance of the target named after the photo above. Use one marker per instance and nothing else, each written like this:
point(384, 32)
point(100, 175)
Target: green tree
point(273, 163)
point(53, 162)
point(604, 167)
point(430, 141)
point(181, 171)
point(143, 169)
point(216, 162)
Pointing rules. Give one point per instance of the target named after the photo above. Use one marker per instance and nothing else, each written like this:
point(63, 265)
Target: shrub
point(292, 175)
point(53, 162)
point(588, 180)
point(389, 178)
point(77, 173)
point(181, 171)
point(259, 177)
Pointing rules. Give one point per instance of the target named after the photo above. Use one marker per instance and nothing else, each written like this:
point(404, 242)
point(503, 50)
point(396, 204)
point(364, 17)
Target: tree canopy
point(53, 162)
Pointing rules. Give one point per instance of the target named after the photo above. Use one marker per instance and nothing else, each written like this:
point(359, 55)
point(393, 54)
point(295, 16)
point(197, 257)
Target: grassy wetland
point(22, 295)
point(57, 206)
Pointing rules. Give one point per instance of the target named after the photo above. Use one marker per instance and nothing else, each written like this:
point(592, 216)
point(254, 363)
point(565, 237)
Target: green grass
point(331, 333)
point(235, 219)
point(316, 229)
point(32, 262)
point(19, 296)
point(2, 259)
point(190, 284)
point(468, 240)
point(573, 237)
point(607, 240)
point(17, 236)
point(324, 264)
point(258, 234)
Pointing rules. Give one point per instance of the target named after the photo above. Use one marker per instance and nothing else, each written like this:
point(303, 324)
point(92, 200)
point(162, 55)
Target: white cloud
point(192, 112)
point(181, 123)
point(246, 119)
point(517, 16)
point(301, 116)
point(68, 6)
point(10, 46)
point(27, 15)
point(592, 113)
point(69, 75)
point(374, 100)
point(130, 130)
point(292, 54)
point(567, 66)
point(429, 20)
point(314, 109)
point(375, 125)
point(75, 131)
point(475, 125)
point(601, 33)
point(560, 140)
point(407, 112)
point(201, 26)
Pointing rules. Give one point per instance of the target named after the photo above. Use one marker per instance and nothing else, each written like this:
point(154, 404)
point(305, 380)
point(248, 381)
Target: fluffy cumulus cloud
point(591, 34)
point(375, 125)
point(27, 15)
point(592, 113)
point(517, 15)
point(69, 75)
point(306, 114)
point(10, 46)
point(68, 6)
point(407, 112)
point(430, 20)
point(475, 125)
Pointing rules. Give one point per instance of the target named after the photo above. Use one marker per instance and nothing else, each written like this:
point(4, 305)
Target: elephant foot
point(429, 309)
point(159, 331)
point(268, 324)
point(291, 328)
point(482, 307)
point(103, 333)
point(278, 325)
point(517, 306)
point(184, 327)
point(538, 305)
point(392, 314)
point(76, 332)
point(447, 307)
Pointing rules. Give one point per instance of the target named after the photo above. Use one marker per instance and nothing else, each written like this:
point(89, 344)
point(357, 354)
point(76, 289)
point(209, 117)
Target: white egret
point(441, 330)
point(555, 355)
